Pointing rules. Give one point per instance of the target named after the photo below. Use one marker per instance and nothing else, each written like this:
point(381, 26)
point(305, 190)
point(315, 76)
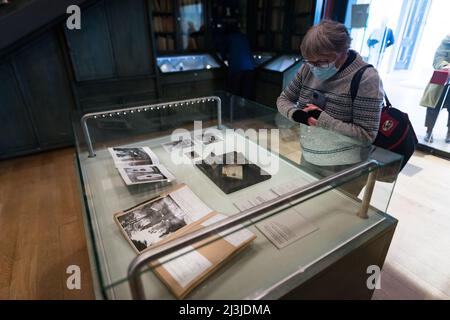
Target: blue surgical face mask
point(324, 73)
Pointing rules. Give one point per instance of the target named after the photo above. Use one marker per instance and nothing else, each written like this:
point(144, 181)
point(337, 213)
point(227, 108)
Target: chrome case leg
point(362, 213)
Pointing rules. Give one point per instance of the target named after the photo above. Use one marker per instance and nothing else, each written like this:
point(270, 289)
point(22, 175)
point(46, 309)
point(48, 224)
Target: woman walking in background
point(435, 94)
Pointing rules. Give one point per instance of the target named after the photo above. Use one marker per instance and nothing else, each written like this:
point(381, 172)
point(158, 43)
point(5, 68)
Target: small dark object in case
point(319, 100)
point(251, 173)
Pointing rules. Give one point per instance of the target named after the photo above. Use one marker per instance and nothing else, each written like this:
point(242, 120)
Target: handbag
point(435, 88)
point(440, 77)
point(396, 132)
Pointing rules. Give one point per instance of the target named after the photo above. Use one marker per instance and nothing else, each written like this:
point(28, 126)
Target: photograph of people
point(340, 132)
point(144, 173)
point(151, 222)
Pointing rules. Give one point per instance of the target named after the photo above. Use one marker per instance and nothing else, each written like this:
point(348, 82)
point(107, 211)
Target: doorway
point(401, 42)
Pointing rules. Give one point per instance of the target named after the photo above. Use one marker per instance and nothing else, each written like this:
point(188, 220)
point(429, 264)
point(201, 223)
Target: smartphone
point(319, 99)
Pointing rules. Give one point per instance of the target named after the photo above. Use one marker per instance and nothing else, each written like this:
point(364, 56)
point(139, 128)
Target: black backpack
point(396, 132)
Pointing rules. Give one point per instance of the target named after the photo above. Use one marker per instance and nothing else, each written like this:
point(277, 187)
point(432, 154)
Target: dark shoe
point(428, 137)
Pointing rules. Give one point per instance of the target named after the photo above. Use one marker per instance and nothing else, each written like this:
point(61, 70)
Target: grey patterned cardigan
point(344, 130)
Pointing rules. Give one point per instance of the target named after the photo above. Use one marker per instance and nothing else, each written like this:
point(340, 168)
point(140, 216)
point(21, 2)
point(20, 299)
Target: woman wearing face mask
point(328, 70)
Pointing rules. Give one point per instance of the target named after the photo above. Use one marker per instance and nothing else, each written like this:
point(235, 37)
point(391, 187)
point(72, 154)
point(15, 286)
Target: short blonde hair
point(325, 38)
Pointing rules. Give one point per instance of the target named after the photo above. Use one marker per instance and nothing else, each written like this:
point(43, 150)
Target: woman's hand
point(311, 120)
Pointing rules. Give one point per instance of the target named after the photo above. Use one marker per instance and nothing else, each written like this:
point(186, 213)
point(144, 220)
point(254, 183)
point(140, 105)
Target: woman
point(434, 95)
point(328, 70)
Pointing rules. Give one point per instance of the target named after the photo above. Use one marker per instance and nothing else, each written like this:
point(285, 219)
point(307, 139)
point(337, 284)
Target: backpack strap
point(354, 86)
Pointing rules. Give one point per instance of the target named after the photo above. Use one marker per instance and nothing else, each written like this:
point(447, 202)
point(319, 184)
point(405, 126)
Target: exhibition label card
point(190, 203)
point(287, 187)
point(285, 228)
point(185, 265)
point(236, 235)
point(248, 203)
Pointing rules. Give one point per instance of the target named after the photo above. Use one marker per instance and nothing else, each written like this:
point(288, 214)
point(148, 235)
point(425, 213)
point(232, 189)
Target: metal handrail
point(135, 281)
point(158, 106)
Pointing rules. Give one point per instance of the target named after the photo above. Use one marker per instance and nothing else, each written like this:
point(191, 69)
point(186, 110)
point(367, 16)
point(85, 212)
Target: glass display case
point(190, 75)
point(262, 57)
point(170, 64)
point(274, 76)
point(283, 63)
point(286, 230)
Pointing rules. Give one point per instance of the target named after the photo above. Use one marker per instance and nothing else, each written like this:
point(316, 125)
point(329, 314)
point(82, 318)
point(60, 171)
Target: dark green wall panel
point(90, 48)
point(41, 72)
point(129, 29)
point(16, 132)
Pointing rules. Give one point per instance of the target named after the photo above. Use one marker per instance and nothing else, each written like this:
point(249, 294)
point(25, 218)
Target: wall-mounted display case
point(262, 57)
point(259, 58)
point(190, 75)
point(332, 234)
point(172, 64)
point(274, 76)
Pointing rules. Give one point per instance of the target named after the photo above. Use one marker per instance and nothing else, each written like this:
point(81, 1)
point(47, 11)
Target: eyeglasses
point(319, 64)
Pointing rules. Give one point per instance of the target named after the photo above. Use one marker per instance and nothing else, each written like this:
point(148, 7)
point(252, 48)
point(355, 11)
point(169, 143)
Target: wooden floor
point(41, 228)
point(418, 262)
point(42, 231)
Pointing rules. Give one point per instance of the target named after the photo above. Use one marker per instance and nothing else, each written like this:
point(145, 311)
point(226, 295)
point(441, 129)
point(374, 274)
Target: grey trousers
point(431, 117)
point(433, 113)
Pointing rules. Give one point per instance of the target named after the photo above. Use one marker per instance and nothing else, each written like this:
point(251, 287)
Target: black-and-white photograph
point(180, 144)
point(151, 222)
point(133, 156)
point(208, 138)
point(144, 174)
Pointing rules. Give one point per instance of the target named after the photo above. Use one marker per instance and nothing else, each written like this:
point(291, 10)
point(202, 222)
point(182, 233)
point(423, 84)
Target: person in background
point(434, 95)
point(380, 39)
point(338, 133)
point(241, 64)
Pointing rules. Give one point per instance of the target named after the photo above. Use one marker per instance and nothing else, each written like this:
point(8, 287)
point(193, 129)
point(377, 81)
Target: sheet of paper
point(247, 203)
point(181, 144)
point(190, 203)
point(285, 228)
point(185, 265)
point(243, 204)
point(235, 235)
point(287, 187)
